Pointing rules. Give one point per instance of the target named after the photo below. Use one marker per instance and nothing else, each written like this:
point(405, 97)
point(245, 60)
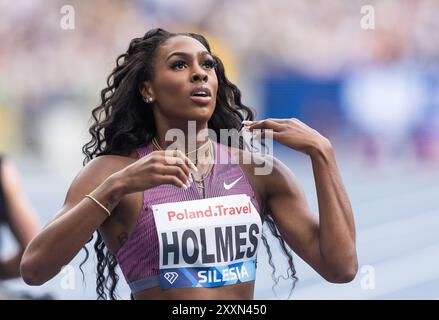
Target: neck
point(189, 139)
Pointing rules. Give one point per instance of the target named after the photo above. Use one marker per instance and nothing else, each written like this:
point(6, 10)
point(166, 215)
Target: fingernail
point(247, 122)
point(195, 168)
point(185, 187)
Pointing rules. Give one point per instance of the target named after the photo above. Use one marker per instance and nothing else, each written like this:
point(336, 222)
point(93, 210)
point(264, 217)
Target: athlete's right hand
point(158, 167)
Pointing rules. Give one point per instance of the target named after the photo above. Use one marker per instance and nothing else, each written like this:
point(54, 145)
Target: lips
point(201, 91)
point(201, 96)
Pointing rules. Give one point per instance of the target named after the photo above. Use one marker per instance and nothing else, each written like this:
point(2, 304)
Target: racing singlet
point(183, 238)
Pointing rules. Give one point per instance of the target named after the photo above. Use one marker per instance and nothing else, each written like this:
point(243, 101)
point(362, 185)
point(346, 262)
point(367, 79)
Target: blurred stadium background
point(373, 92)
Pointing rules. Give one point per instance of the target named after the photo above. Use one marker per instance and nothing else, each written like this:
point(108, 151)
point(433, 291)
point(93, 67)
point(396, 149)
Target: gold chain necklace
point(156, 144)
point(200, 184)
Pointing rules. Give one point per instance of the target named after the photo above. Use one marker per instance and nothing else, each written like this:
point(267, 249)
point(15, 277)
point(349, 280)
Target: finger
point(177, 172)
point(266, 134)
point(296, 120)
point(177, 161)
point(278, 120)
point(170, 179)
point(178, 153)
point(267, 124)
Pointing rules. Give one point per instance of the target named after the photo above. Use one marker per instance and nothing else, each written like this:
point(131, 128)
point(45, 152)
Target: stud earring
point(147, 99)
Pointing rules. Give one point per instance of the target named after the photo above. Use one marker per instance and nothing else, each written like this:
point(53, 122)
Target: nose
point(199, 74)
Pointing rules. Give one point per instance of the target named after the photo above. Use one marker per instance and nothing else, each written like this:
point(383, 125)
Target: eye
point(178, 65)
point(209, 64)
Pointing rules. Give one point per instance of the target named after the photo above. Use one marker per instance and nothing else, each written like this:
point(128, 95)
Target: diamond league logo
point(171, 276)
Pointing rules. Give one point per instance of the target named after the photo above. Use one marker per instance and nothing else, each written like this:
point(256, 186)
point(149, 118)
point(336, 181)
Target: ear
point(146, 89)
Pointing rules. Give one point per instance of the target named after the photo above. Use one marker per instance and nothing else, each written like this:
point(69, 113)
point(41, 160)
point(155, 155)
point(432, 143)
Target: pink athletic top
point(138, 257)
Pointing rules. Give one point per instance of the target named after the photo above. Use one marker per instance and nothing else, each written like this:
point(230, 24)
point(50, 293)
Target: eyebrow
point(187, 55)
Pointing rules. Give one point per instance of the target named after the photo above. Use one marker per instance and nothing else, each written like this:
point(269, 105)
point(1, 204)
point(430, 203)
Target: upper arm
point(21, 216)
point(89, 178)
point(288, 206)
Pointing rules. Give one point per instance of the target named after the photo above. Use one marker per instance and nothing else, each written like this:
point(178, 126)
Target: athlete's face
point(182, 66)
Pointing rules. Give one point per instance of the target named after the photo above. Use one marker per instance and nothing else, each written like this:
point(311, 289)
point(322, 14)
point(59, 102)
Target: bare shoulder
point(103, 166)
point(94, 173)
point(90, 177)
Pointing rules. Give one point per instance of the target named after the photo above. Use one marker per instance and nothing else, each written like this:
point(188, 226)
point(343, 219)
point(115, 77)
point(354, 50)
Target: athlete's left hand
point(292, 133)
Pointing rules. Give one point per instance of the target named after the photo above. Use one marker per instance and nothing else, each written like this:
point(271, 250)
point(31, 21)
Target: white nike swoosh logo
point(230, 186)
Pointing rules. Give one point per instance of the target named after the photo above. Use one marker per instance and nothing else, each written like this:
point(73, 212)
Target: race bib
point(209, 242)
